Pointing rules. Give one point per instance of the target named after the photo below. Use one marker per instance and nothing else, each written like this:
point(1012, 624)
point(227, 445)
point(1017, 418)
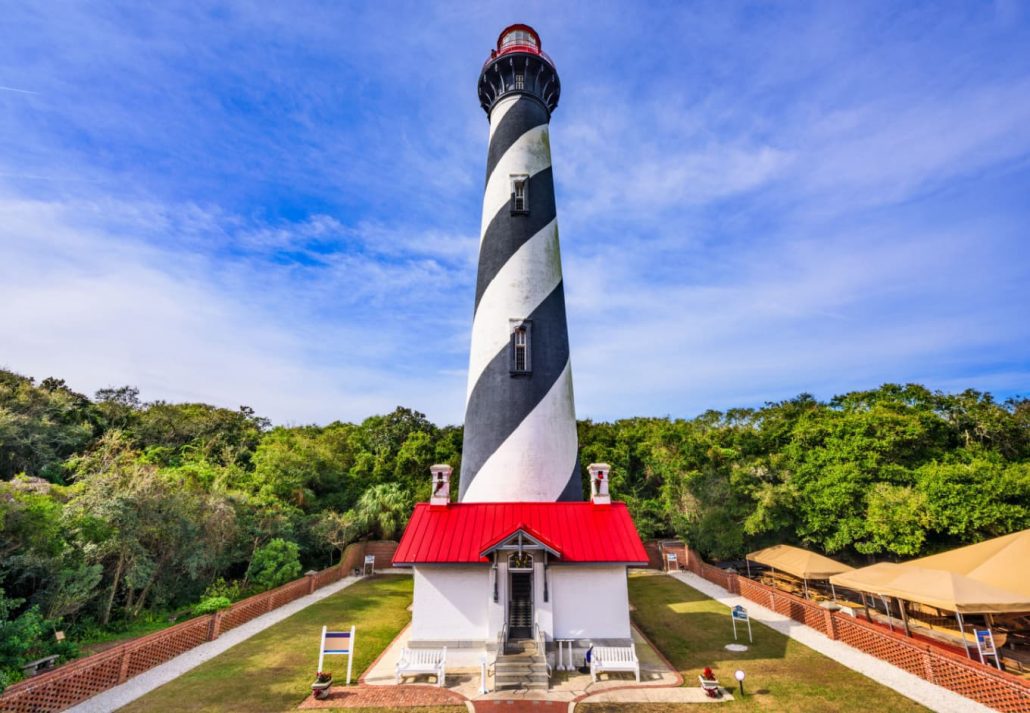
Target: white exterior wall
point(589, 602)
point(451, 603)
point(543, 612)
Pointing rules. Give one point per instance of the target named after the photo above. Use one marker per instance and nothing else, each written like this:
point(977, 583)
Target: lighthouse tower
point(520, 439)
point(521, 556)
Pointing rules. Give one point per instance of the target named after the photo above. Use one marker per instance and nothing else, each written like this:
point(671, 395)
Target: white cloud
point(101, 308)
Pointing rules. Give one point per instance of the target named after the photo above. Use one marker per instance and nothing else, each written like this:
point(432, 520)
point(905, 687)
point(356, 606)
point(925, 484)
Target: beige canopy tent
point(1003, 562)
point(798, 562)
point(933, 587)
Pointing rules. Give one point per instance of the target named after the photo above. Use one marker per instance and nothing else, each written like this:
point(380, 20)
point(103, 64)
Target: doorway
point(520, 606)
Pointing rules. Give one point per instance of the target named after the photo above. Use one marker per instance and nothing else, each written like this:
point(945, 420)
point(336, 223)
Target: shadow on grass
point(693, 630)
point(272, 670)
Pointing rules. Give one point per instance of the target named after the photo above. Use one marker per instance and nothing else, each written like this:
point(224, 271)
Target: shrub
point(210, 605)
point(232, 590)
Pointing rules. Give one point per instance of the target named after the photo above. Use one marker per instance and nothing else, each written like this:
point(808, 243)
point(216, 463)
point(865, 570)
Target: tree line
point(116, 513)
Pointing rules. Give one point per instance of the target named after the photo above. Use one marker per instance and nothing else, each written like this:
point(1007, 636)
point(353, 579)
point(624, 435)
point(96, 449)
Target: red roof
point(578, 532)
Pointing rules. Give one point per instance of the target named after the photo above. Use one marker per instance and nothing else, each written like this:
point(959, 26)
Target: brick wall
point(383, 550)
point(84, 678)
point(972, 679)
point(654, 555)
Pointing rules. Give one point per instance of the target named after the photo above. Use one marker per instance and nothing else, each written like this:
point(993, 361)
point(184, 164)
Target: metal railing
point(502, 641)
point(541, 645)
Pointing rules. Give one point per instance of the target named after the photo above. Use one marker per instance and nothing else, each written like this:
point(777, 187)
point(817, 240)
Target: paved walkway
point(140, 685)
point(930, 695)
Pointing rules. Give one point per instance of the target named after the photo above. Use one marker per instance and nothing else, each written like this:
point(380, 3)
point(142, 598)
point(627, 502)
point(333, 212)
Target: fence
point(972, 679)
point(86, 677)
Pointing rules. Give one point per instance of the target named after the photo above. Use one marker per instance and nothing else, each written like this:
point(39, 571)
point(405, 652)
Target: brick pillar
point(930, 674)
point(734, 587)
point(123, 672)
point(311, 580)
point(831, 624)
point(268, 600)
point(214, 627)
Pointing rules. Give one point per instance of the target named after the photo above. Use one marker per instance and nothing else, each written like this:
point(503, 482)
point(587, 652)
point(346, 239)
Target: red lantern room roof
point(518, 38)
point(579, 532)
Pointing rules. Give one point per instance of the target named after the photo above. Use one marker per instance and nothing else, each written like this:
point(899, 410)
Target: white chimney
point(441, 493)
point(600, 473)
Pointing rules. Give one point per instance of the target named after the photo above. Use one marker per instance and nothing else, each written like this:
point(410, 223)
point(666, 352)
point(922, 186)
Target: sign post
point(985, 646)
point(671, 562)
point(370, 565)
point(739, 613)
point(338, 642)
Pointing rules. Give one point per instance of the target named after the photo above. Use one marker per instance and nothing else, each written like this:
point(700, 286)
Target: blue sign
point(739, 613)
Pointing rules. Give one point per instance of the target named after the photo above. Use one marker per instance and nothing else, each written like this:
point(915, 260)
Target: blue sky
point(277, 204)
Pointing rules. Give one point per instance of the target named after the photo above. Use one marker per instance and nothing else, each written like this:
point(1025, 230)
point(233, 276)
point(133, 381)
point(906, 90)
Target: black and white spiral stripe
point(520, 439)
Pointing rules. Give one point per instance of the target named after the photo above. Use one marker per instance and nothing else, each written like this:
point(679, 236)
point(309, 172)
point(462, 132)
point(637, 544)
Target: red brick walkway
point(385, 697)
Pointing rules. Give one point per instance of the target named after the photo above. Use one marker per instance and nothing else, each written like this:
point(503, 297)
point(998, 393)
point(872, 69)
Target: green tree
point(276, 563)
point(382, 510)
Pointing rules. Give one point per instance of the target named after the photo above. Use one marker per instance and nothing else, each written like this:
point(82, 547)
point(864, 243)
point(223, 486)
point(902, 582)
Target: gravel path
point(140, 685)
point(930, 695)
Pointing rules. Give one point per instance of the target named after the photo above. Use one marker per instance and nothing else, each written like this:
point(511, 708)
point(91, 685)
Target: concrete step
point(521, 669)
point(521, 683)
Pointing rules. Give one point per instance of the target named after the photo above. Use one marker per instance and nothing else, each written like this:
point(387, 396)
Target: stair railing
point(541, 644)
point(502, 641)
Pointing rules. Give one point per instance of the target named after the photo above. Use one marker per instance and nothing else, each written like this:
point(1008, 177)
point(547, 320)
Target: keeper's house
point(488, 572)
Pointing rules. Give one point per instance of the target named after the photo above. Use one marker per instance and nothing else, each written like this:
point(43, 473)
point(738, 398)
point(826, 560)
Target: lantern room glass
point(519, 37)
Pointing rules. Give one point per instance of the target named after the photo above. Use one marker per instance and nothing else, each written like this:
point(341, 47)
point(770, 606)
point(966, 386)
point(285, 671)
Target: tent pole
point(890, 617)
point(805, 582)
point(865, 605)
point(833, 592)
point(904, 616)
point(962, 633)
point(747, 563)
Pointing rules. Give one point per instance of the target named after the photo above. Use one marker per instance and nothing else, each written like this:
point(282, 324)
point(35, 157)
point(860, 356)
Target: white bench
point(614, 658)
point(415, 662)
point(710, 687)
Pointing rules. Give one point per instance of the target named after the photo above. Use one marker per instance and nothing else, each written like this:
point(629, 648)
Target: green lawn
point(271, 670)
point(782, 675)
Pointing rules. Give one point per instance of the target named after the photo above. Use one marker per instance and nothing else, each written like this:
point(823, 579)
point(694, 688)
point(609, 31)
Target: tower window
point(519, 195)
point(520, 81)
point(521, 361)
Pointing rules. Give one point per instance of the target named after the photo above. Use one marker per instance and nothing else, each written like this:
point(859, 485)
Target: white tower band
point(520, 440)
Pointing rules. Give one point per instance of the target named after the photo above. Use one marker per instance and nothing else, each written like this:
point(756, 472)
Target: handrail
point(502, 641)
point(541, 644)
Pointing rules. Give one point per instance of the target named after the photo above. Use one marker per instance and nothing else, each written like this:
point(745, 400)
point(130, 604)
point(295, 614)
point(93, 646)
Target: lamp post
point(739, 675)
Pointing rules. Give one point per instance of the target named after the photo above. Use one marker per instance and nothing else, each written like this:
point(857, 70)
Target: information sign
point(985, 646)
point(739, 613)
point(339, 643)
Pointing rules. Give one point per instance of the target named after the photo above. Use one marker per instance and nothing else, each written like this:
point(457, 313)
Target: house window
point(520, 560)
point(519, 195)
point(521, 357)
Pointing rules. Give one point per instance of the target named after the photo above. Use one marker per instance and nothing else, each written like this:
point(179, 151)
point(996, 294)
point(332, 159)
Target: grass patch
point(782, 674)
point(271, 671)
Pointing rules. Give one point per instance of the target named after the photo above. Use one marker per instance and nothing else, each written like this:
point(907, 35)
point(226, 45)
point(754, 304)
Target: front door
point(520, 606)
